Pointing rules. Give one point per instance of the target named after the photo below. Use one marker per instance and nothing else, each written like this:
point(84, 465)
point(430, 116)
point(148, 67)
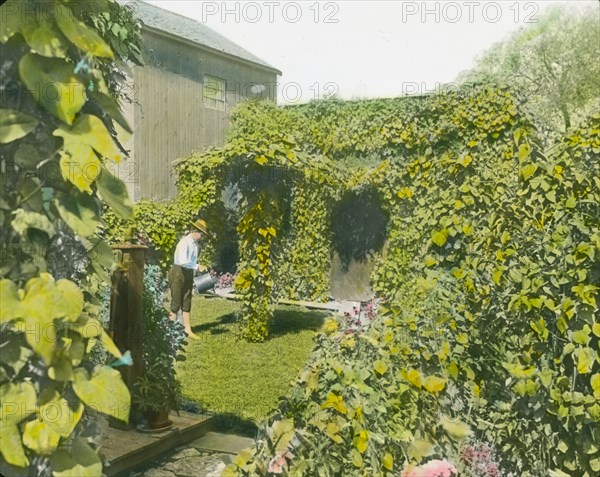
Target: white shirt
point(186, 253)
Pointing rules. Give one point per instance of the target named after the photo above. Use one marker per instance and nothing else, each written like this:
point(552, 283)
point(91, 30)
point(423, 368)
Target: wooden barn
point(182, 96)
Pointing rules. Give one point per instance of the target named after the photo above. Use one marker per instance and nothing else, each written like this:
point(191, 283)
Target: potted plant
point(158, 392)
point(156, 398)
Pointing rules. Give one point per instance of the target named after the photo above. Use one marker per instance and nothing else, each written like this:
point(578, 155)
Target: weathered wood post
point(126, 311)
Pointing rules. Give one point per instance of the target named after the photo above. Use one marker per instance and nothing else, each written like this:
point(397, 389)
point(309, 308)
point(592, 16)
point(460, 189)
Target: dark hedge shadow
point(292, 321)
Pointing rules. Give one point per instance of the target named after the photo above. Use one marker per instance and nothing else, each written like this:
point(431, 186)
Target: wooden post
point(126, 311)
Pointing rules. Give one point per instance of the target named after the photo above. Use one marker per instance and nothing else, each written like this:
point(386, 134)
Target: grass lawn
point(244, 380)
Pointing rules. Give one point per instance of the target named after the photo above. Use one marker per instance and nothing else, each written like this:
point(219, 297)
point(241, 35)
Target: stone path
point(204, 457)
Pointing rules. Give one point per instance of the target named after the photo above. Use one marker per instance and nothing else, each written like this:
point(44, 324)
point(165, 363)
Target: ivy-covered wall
point(489, 331)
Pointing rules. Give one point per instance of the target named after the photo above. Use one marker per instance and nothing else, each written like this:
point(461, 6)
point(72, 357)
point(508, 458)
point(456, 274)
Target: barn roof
point(178, 25)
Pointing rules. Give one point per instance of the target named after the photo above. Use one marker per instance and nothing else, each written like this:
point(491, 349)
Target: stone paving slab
point(204, 457)
point(348, 306)
point(187, 463)
point(225, 443)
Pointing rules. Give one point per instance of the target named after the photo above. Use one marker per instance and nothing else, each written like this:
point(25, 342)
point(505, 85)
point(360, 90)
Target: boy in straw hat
point(181, 277)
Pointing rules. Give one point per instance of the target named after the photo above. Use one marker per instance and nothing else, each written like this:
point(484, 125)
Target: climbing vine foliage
point(60, 125)
point(488, 329)
point(273, 176)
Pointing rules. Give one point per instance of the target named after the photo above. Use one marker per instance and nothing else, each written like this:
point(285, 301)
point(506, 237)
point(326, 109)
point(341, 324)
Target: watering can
point(204, 282)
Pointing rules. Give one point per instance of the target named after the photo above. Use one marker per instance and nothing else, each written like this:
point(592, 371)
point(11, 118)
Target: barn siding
point(169, 118)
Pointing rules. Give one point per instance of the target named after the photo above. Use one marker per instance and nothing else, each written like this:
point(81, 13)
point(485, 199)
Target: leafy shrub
point(158, 225)
point(164, 341)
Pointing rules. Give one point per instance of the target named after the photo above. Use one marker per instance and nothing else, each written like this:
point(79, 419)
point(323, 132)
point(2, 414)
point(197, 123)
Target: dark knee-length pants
point(181, 282)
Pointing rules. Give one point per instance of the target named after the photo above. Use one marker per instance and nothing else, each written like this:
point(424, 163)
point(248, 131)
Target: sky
point(364, 49)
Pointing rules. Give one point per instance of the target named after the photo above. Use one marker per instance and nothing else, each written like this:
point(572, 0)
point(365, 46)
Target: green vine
point(58, 132)
point(489, 329)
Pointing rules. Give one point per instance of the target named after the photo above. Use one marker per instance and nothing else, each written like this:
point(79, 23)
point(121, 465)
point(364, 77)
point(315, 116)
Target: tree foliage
point(554, 63)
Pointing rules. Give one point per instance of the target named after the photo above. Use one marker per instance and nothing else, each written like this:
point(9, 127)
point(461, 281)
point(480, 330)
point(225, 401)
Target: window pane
point(214, 88)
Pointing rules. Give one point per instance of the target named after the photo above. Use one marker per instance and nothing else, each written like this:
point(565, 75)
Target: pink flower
point(277, 463)
point(433, 468)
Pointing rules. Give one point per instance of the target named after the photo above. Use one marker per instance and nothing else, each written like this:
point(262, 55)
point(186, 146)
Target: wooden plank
point(306, 304)
point(128, 449)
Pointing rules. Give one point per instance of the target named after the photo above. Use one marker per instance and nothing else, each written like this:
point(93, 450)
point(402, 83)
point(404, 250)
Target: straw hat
point(201, 226)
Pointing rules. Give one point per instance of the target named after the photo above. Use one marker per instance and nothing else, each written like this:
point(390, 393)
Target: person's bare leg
point(187, 325)
point(173, 316)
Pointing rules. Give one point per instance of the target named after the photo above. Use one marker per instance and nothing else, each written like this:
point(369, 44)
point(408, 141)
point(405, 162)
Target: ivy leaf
point(582, 336)
point(80, 212)
point(112, 108)
point(11, 23)
point(466, 160)
point(61, 369)
point(361, 441)
point(103, 391)
point(17, 402)
point(281, 434)
point(71, 299)
point(336, 402)
point(380, 367)
point(546, 377)
point(571, 203)
point(595, 382)
point(81, 461)
point(40, 437)
point(80, 35)
point(80, 168)
point(524, 152)
point(12, 447)
point(517, 135)
point(88, 131)
point(9, 301)
point(114, 192)
point(585, 360)
point(332, 430)
point(15, 125)
point(101, 256)
point(388, 461)
point(439, 237)
point(27, 157)
point(413, 376)
point(41, 304)
point(109, 345)
point(528, 171)
point(497, 275)
point(43, 37)
point(15, 355)
point(58, 414)
point(357, 459)
point(434, 384)
point(519, 371)
point(54, 86)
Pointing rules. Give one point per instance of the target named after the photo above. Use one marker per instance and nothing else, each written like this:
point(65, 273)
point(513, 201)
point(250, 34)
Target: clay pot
point(157, 419)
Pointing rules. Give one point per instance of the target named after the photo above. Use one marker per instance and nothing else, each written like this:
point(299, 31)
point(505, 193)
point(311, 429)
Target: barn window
point(214, 92)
